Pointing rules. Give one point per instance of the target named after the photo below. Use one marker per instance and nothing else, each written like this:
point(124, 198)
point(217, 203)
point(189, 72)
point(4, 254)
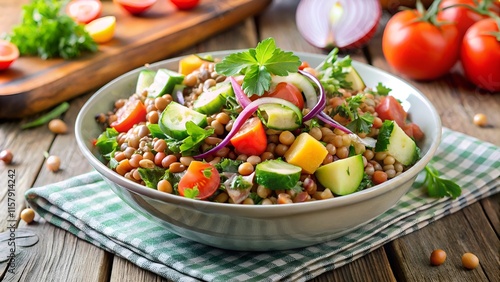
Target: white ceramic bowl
point(261, 228)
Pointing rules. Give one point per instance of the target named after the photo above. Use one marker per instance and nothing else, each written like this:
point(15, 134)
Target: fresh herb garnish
point(382, 89)
point(47, 32)
point(191, 193)
point(151, 177)
point(258, 64)
point(438, 187)
point(358, 123)
point(106, 143)
point(228, 165)
point(196, 136)
point(207, 172)
point(333, 72)
point(240, 183)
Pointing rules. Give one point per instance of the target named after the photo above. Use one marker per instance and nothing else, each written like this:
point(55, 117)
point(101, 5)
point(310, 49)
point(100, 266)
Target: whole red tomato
point(463, 17)
point(414, 46)
point(480, 54)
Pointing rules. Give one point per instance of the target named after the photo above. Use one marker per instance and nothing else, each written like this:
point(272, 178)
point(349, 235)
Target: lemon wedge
point(102, 29)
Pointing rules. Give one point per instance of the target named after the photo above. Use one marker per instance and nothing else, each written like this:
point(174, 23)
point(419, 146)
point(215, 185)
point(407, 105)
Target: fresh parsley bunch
point(333, 72)
point(258, 64)
point(47, 32)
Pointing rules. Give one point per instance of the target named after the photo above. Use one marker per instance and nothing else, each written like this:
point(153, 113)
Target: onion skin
point(352, 26)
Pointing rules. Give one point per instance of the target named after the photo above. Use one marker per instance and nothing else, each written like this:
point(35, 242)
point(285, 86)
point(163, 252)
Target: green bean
point(56, 112)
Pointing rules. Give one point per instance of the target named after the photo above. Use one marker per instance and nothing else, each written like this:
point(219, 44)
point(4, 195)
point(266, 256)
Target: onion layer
point(342, 23)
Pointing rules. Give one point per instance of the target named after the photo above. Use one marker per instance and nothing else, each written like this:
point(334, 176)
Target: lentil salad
point(176, 144)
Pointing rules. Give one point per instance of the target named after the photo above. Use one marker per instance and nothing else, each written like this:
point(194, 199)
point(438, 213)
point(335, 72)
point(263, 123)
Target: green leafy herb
point(228, 165)
point(156, 132)
point(440, 187)
point(54, 113)
point(333, 72)
point(106, 142)
point(191, 193)
point(151, 177)
point(207, 172)
point(257, 200)
point(240, 183)
point(382, 89)
point(47, 32)
point(173, 178)
point(197, 135)
point(258, 64)
point(358, 123)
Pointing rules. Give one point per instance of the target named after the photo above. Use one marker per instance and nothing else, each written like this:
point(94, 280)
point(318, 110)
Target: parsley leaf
point(358, 123)
point(191, 193)
point(106, 143)
point(196, 136)
point(228, 165)
point(151, 177)
point(258, 64)
point(333, 72)
point(438, 187)
point(382, 89)
point(47, 32)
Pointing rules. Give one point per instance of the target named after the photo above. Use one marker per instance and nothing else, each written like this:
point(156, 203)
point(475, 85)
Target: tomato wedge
point(200, 181)
point(84, 11)
point(414, 131)
point(135, 7)
point(251, 139)
point(8, 54)
point(286, 91)
point(131, 113)
point(389, 108)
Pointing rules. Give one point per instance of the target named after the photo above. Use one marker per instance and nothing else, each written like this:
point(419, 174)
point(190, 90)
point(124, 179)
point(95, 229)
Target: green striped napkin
point(86, 207)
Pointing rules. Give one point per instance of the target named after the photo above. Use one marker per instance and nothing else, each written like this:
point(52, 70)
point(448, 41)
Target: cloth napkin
point(85, 206)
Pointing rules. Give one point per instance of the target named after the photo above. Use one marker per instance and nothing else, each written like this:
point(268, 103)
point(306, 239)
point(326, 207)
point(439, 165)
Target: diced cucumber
point(174, 117)
point(280, 117)
point(164, 82)
point(277, 174)
point(343, 176)
point(357, 83)
point(393, 140)
point(212, 100)
point(145, 79)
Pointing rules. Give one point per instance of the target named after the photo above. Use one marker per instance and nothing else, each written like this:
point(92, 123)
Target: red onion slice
point(238, 92)
point(341, 23)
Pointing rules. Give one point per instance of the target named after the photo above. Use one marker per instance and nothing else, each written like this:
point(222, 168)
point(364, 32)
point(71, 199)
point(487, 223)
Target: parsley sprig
point(333, 72)
point(258, 64)
point(358, 123)
point(47, 32)
point(440, 187)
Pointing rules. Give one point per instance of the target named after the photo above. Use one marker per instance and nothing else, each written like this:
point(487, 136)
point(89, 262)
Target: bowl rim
point(256, 210)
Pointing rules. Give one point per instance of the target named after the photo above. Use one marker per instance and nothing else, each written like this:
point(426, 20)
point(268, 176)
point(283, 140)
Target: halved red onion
point(241, 97)
point(344, 24)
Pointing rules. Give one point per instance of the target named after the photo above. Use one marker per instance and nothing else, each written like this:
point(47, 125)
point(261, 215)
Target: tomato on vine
point(480, 54)
point(416, 44)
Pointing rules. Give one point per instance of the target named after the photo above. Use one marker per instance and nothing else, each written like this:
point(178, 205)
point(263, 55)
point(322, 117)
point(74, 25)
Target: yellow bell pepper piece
point(189, 64)
point(306, 152)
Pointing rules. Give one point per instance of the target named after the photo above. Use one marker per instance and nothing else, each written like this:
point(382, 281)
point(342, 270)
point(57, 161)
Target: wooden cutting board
point(31, 84)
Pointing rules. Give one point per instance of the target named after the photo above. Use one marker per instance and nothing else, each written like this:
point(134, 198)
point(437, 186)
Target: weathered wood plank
point(59, 255)
point(124, 270)
point(465, 231)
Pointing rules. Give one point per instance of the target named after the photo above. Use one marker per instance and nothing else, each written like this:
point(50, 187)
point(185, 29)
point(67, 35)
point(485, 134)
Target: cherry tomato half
point(419, 49)
point(84, 11)
point(185, 4)
point(135, 7)
point(201, 176)
point(480, 55)
point(131, 113)
point(8, 54)
point(389, 108)
point(286, 91)
point(251, 139)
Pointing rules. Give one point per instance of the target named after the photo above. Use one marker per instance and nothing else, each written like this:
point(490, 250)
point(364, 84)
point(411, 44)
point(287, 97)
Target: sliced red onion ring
point(321, 102)
point(238, 92)
point(238, 123)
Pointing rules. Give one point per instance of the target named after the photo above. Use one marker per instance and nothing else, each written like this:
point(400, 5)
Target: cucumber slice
point(342, 176)
point(357, 83)
point(164, 82)
point(174, 117)
point(393, 140)
point(145, 79)
point(277, 174)
point(212, 100)
point(300, 82)
point(280, 117)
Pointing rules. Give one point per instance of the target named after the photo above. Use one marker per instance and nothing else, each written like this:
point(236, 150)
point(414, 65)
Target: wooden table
point(60, 256)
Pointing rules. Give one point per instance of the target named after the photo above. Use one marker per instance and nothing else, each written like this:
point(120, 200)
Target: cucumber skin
point(390, 130)
point(178, 134)
point(340, 176)
point(271, 181)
